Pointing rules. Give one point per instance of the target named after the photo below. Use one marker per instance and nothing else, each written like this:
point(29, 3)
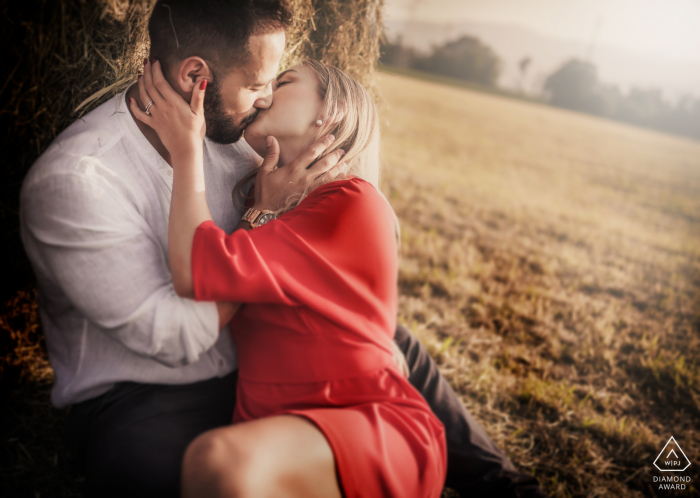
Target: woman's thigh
point(281, 456)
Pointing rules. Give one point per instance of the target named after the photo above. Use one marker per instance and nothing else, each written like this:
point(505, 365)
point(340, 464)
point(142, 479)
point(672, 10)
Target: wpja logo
point(672, 459)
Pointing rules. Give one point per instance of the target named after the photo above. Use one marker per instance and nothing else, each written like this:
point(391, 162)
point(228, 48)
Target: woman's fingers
point(139, 114)
point(307, 157)
point(143, 94)
point(337, 170)
point(326, 163)
point(197, 100)
point(162, 84)
point(272, 155)
point(153, 92)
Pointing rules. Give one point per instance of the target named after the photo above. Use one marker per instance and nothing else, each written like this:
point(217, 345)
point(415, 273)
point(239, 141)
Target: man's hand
point(274, 185)
point(226, 312)
point(400, 360)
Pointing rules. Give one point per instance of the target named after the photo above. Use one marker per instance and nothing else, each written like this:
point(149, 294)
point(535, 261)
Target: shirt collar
point(143, 146)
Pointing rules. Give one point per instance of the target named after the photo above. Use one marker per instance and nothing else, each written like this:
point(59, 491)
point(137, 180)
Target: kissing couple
point(222, 325)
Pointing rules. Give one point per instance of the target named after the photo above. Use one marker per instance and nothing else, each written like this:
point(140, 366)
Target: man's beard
point(221, 127)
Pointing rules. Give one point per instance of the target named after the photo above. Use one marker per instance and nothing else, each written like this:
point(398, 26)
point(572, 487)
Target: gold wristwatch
point(256, 217)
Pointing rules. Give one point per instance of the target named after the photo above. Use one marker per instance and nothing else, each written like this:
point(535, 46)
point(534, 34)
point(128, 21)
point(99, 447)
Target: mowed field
point(551, 262)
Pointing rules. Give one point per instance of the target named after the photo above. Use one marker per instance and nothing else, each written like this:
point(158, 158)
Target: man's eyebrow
point(279, 76)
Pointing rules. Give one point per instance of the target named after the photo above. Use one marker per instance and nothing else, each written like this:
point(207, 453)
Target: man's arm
point(84, 235)
point(226, 312)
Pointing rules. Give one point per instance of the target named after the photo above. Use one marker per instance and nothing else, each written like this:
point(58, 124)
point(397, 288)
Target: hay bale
point(59, 55)
point(68, 56)
point(343, 34)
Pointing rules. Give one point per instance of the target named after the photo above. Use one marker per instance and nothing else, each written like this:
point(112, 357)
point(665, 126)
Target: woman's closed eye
point(281, 83)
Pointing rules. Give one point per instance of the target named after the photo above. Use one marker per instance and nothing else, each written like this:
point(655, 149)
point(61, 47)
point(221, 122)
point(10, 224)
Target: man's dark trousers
point(130, 441)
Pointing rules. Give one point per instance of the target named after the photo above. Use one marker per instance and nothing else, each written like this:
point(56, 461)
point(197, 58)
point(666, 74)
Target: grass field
point(551, 261)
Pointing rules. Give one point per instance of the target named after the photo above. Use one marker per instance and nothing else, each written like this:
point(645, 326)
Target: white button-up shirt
point(94, 222)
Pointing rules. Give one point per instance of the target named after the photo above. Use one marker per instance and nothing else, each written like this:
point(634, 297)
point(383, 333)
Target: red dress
point(313, 339)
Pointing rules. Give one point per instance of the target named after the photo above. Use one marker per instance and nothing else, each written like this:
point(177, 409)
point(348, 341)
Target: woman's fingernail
point(145, 61)
point(342, 152)
point(269, 141)
point(203, 85)
point(331, 138)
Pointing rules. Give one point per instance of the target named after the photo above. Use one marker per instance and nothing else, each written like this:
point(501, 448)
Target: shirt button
point(170, 172)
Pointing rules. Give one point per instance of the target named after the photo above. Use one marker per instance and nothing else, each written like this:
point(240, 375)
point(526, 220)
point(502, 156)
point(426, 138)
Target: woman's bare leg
point(280, 457)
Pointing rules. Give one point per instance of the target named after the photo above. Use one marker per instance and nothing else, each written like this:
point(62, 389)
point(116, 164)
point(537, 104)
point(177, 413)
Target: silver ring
point(148, 106)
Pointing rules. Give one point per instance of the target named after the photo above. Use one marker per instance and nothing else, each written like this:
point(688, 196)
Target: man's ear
point(190, 73)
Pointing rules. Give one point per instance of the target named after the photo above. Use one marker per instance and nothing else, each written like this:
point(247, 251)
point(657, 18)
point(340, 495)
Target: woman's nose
point(265, 99)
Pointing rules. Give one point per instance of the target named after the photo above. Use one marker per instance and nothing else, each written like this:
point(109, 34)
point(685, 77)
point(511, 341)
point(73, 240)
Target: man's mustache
point(251, 118)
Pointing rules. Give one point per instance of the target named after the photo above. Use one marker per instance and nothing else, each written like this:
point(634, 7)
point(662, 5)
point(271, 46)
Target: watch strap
point(253, 216)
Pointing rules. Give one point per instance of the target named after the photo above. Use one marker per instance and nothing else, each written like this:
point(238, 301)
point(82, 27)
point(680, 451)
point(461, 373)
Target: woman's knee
point(271, 457)
point(219, 464)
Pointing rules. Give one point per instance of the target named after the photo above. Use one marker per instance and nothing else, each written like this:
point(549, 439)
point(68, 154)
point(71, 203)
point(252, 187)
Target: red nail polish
point(203, 85)
point(145, 61)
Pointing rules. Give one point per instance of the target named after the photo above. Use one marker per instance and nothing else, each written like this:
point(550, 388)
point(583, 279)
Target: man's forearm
point(226, 312)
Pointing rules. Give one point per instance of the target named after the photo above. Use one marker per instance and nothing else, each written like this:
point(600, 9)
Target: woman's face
point(291, 119)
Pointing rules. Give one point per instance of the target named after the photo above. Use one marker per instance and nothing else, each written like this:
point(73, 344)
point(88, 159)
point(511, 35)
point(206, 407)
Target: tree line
point(574, 85)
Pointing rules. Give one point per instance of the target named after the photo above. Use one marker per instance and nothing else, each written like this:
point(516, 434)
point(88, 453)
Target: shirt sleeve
point(336, 250)
point(89, 244)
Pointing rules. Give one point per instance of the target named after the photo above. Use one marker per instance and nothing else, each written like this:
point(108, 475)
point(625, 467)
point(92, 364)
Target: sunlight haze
point(662, 28)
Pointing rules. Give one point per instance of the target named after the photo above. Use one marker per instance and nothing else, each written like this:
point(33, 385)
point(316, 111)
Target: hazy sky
point(666, 28)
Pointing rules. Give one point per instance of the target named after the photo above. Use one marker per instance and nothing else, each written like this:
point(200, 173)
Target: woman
point(322, 409)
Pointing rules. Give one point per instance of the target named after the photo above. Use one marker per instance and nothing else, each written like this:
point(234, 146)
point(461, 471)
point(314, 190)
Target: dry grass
point(551, 261)
point(33, 457)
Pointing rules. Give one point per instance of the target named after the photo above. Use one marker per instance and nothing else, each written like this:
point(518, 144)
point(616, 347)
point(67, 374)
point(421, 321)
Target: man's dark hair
point(215, 30)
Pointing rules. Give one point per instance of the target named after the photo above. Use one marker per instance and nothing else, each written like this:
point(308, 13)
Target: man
point(144, 370)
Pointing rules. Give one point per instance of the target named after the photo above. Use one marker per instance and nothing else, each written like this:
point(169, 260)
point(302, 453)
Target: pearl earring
point(319, 122)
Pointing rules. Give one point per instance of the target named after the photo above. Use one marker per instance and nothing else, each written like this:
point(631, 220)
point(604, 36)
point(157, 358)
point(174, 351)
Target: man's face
point(233, 101)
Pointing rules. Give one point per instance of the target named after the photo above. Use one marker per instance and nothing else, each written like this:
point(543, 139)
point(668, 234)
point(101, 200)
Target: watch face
point(265, 218)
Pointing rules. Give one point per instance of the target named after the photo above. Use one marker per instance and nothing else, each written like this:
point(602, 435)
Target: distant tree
point(575, 86)
point(396, 54)
point(524, 64)
point(466, 58)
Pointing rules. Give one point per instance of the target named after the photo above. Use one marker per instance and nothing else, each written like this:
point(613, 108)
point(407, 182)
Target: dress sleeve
point(336, 249)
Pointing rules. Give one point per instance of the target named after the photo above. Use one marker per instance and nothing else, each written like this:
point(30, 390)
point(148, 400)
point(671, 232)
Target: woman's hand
point(273, 185)
point(400, 360)
point(180, 126)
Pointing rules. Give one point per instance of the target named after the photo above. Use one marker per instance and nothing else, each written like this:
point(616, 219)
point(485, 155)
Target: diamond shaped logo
point(672, 458)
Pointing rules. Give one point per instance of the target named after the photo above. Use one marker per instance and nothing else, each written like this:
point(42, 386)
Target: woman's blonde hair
point(350, 115)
